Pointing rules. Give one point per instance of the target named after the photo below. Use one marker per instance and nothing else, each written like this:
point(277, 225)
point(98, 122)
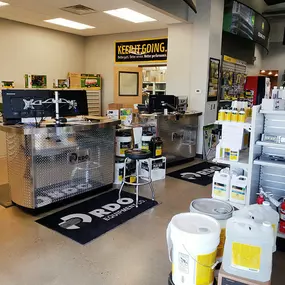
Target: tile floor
point(132, 254)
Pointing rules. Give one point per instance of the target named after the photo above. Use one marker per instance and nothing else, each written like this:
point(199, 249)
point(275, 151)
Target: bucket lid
point(123, 134)
point(217, 209)
point(196, 227)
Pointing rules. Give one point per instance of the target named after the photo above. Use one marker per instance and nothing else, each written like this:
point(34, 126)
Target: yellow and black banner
point(148, 50)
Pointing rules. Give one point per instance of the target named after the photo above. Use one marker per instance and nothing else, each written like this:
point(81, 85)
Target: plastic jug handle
point(169, 242)
point(241, 177)
point(244, 221)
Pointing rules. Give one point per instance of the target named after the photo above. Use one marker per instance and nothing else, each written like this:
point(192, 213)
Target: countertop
point(73, 126)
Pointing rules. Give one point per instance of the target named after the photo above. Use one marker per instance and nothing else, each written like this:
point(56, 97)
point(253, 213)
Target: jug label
point(220, 189)
point(238, 193)
point(204, 271)
point(246, 257)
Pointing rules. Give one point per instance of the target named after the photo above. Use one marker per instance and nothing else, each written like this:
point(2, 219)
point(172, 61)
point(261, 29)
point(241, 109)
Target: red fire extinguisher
point(260, 199)
point(282, 217)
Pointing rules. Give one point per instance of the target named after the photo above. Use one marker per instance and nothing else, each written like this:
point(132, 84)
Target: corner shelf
point(263, 161)
point(270, 144)
point(246, 125)
point(242, 163)
point(273, 112)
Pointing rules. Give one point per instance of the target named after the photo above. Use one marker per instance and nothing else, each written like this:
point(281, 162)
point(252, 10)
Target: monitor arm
point(164, 104)
point(29, 104)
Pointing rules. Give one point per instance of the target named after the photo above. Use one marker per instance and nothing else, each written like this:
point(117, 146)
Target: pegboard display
point(233, 78)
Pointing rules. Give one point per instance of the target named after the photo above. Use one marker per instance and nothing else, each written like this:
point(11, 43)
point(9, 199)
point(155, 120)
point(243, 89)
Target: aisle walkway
point(132, 254)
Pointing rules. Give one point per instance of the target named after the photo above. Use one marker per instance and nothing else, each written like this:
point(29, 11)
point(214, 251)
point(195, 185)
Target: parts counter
point(178, 133)
point(50, 164)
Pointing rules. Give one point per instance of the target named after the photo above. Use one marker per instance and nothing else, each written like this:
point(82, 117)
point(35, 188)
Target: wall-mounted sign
point(214, 79)
point(148, 50)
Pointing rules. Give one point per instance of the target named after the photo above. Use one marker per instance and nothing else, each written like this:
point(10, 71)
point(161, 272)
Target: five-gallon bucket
point(217, 209)
point(192, 241)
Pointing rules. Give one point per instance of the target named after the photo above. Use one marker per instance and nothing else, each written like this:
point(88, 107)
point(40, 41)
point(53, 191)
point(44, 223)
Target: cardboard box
point(91, 81)
point(74, 80)
point(126, 116)
point(115, 106)
point(35, 81)
point(157, 166)
point(228, 279)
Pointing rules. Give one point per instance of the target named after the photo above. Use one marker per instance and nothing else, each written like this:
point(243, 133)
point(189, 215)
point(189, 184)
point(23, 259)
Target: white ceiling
point(36, 11)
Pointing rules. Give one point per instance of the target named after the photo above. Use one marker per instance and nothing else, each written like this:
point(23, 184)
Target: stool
point(137, 155)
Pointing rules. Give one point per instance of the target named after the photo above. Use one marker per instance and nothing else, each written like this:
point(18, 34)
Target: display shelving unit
point(155, 88)
point(94, 102)
point(263, 171)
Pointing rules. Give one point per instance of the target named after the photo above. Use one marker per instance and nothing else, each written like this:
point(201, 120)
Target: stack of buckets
point(196, 241)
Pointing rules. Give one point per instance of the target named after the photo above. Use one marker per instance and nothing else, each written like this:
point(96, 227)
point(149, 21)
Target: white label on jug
point(219, 189)
point(183, 262)
point(238, 193)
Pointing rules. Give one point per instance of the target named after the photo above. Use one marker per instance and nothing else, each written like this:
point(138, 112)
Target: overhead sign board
point(241, 20)
point(146, 50)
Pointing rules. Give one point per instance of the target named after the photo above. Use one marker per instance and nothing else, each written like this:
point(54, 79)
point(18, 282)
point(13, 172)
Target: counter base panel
point(66, 201)
point(47, 168)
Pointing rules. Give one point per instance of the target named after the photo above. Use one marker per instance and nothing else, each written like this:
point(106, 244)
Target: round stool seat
point(137, 154)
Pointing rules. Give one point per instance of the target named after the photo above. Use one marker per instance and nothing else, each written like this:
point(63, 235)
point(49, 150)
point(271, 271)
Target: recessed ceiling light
point(262, 71)
point(69, 24)
point(3, 4)
point(130, 15)
point(269, 73)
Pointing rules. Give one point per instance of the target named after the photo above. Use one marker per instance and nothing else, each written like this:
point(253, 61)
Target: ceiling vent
point(79, 9)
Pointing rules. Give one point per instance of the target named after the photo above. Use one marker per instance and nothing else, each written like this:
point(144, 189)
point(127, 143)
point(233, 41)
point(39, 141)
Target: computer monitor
point(21, 103)
point(156, 103)
point(81, 106)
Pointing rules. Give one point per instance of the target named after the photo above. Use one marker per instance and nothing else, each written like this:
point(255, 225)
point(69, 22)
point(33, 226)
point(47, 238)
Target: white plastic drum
point(220, 210)
point(123, 142)
point(146, 139)
point(192, 241)
point(119, 170)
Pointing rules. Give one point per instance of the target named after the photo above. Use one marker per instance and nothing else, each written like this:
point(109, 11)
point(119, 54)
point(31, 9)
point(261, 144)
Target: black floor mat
point(90, 219)
point(201, 173)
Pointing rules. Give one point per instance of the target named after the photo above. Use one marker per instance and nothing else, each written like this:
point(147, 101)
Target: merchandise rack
point(262, 171)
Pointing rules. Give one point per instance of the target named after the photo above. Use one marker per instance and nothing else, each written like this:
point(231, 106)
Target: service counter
point(177, 131)
point(50, 164)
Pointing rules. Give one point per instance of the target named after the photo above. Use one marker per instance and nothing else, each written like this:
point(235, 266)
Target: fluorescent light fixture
point(3, 4)
point(69, 24)
point(262, 71)
point(130, 15)
point(270, 72)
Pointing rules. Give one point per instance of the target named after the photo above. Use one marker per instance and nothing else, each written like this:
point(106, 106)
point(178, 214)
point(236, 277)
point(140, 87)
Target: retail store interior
point(142, 142)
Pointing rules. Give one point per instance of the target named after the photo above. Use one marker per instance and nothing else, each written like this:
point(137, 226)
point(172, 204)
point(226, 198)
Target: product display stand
point(243, 163)
point(264, 161)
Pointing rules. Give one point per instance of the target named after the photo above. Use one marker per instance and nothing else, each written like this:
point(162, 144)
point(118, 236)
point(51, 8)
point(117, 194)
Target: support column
point(190, 48)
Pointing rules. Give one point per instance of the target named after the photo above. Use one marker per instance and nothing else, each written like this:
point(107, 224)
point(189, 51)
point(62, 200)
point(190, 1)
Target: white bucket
point(220, 210)
point(192, 241)
point(123, 143)
point(119, 170)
